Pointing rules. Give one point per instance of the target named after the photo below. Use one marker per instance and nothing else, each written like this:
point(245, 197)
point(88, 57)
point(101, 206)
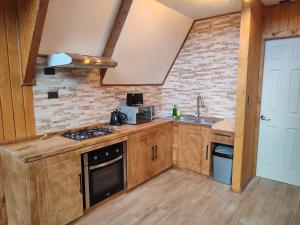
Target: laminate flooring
point(184, 198)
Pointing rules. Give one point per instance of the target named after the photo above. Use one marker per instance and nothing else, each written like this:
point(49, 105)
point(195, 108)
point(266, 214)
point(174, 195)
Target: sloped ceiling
point(204, 8)
point(151, 37)
point(78, 26)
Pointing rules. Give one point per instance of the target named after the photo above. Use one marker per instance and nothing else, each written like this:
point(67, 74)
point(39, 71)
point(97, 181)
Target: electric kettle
point(118, 118)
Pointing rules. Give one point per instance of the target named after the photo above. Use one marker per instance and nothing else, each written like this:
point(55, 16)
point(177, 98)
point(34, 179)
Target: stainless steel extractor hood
point(68, 60)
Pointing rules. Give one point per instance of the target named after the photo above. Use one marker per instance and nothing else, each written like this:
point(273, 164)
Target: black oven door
point(105, 179)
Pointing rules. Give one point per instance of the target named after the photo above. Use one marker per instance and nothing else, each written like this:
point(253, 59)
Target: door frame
point(265, 38)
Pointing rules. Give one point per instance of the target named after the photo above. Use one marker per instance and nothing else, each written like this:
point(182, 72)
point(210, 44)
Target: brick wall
point(207, 66)
point(82, 101)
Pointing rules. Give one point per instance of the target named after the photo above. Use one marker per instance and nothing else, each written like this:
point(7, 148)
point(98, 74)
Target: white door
point(279, 135)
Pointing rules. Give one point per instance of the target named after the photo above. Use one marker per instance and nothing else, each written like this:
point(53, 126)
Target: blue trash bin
point(222, 164)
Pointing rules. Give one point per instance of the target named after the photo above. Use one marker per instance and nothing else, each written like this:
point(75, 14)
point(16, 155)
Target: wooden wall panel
point(31, 16)
point(247, 93)
point(17, 112)
point(5, 88)
point(282, 20)
point(14, 70)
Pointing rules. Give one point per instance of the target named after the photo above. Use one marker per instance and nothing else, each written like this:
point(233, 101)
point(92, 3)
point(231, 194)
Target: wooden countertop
point(36, 149)
point(224, 125)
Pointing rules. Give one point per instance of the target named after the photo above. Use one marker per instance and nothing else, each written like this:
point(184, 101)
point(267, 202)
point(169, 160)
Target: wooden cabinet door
point(193, 148)
point(138, 158)
point(162, 142)
point(3, 216)
point(176, 143)
point(55, 185)
point(206, 152)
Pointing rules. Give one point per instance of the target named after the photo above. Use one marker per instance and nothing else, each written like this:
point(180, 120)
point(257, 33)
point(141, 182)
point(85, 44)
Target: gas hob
point(88, 133)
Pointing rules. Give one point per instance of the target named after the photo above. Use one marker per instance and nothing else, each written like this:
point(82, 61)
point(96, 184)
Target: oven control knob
point(106, 153)
point(95, 157)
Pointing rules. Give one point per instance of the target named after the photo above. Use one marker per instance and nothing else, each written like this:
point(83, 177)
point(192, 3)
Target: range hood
point(69, 60)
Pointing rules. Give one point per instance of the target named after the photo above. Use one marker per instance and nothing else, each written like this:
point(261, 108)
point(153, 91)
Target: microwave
point(138, 114)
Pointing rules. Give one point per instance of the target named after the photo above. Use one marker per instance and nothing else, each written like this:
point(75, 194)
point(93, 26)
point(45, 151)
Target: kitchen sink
point(208, 121)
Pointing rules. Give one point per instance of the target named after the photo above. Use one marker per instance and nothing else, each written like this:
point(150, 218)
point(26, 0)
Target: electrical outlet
point(52, 94)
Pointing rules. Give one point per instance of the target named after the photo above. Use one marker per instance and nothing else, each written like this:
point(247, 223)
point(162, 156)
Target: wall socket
point(52, 94)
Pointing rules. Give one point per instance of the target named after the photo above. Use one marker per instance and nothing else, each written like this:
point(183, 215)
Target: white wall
point(78, 26)
point(151, 37)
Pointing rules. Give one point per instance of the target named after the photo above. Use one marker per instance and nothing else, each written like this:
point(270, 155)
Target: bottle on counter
point(174, 111)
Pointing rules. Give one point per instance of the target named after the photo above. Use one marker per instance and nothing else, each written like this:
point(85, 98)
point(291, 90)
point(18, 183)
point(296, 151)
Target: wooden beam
point(116, 31)
point(247, 93)
point(5, 88)
point(14, 71)
point(31, 15)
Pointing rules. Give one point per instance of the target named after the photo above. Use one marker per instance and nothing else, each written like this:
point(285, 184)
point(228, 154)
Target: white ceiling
point(198, 9)
point(78, 26)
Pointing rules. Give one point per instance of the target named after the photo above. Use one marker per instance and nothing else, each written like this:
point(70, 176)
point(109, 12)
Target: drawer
point(222, 137)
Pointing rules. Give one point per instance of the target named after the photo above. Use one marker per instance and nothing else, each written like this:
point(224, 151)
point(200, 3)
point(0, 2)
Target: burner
point(88, 133)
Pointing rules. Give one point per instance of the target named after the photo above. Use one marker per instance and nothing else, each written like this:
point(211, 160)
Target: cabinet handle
point(80, 178)
point(155, 156)
point(206, 152)
point(152, 153)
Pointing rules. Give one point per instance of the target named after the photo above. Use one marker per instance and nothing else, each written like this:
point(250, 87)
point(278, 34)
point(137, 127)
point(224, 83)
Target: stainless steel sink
point(208, 121)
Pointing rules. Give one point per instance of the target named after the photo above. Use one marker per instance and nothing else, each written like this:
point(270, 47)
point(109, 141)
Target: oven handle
point(106, 163)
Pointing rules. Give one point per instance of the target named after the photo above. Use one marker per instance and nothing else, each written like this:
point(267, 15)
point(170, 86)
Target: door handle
point(264, 118)
point(206, 157)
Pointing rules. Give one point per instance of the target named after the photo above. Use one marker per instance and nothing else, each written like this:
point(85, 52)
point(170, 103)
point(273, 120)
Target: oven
point(104, 173)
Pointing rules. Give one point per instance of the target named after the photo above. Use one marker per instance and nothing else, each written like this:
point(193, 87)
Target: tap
point(200, 103)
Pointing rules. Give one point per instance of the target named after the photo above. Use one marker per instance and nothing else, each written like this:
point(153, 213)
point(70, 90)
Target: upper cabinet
point(149, 42)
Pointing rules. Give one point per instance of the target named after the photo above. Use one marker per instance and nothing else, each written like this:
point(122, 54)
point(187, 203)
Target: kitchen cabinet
point(46, 191)
point(148, 153)
point(192, 148)
point(162, 148)
point(138, 158)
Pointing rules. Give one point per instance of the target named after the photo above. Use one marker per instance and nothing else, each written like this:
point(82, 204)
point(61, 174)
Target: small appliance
point(118, 118)
point(135, 99)
point(138, 114)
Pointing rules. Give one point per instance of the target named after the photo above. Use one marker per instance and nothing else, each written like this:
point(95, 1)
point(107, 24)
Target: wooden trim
point(31, 17)
point(115, 33)
point(220, 15)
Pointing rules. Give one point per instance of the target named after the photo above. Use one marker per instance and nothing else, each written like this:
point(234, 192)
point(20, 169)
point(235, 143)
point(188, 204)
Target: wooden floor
point(177, 197)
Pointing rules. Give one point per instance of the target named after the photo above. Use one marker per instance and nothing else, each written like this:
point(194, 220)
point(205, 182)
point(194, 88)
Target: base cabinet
point(148, 154)
point(3, 217)
point(44, 192)
point(191, 147)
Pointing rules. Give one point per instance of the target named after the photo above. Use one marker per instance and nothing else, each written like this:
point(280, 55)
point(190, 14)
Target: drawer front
point(222, 138)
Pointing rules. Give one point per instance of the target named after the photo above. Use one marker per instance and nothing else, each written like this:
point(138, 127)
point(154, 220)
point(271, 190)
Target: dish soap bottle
point(174, 112)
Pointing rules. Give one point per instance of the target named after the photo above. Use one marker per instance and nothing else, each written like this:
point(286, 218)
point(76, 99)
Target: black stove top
point(88, 133)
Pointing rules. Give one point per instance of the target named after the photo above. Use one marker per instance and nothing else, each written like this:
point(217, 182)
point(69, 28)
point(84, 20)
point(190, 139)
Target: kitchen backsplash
point(82, 101)
point(206, 66)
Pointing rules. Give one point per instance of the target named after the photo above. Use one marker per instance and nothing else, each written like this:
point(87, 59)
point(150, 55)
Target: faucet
point(200, 103)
